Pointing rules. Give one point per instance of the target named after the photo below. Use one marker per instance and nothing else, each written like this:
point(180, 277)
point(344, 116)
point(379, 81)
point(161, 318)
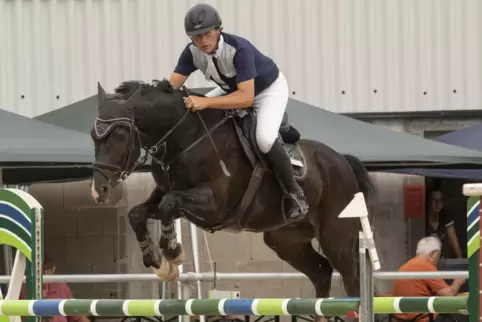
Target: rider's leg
point(270, 106)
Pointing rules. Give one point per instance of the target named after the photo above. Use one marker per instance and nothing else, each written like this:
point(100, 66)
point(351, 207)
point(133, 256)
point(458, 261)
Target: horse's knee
point(167, 206)
point(137, 216)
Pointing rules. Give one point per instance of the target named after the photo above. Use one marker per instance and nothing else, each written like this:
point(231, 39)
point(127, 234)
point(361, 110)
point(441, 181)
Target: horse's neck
point(155, 125)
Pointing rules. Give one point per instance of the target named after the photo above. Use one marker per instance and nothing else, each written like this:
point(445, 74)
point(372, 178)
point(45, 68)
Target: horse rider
point(249, 79)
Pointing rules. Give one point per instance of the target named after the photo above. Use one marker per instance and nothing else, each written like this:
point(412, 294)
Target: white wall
point(54, 52)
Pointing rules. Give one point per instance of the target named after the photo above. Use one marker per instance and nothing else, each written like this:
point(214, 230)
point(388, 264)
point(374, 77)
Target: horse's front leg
point(171, 249)
point(199, 202)
point(151, 254)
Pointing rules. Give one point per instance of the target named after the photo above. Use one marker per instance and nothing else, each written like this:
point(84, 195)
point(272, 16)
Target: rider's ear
point(101, 95)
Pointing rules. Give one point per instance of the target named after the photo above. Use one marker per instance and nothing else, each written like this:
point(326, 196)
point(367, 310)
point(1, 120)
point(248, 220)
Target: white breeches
point(269, 106)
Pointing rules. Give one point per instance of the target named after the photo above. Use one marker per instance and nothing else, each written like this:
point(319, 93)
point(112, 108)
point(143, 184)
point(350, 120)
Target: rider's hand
point(195, 103)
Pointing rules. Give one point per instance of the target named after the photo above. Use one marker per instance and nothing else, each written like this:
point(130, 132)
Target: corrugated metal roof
point(343, 55)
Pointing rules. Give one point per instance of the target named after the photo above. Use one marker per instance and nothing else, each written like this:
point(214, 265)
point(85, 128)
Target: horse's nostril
point(103, 189)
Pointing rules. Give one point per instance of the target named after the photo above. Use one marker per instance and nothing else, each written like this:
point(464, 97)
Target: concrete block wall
point(81, 237)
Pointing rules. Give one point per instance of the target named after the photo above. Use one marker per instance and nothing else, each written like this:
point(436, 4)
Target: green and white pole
point(474, 212)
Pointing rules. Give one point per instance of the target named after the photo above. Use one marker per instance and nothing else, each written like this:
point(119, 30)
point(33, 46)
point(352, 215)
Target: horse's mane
point(128, 88)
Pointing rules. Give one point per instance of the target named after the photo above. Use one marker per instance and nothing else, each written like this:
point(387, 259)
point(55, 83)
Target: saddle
point(245, 122)
point(245, 125)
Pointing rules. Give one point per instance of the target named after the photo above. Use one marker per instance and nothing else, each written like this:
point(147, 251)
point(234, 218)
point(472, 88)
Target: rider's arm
point(177, 80)
point(243, 97)
point(184, 68)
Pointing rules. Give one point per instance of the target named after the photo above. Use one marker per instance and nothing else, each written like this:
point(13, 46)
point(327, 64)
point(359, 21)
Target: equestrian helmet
point(201, 18)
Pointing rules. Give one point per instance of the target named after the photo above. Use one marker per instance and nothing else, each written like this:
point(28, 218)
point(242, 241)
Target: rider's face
point(207, 41)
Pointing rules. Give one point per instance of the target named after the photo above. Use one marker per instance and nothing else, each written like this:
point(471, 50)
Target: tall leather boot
point(297, 205)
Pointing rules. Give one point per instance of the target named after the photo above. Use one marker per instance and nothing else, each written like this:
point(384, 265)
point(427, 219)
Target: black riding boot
point(297, 205)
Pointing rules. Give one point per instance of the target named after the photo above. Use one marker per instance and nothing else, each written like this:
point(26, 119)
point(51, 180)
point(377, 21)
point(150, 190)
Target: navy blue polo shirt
point(235, 61)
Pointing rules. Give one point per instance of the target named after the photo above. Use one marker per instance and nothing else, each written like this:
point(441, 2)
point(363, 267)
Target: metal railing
point(210, 277)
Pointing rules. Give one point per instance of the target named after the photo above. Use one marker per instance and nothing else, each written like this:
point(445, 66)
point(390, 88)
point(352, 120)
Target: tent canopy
point(470, 138)
point(376, 145)
point(34, 151)
point(379, 147)
point(23, 140)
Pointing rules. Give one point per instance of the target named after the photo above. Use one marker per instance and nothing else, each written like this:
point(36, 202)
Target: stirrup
point(301, 211)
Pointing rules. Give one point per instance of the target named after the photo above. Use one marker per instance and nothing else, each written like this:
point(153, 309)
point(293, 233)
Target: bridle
point(102, 129)
point(157, 152)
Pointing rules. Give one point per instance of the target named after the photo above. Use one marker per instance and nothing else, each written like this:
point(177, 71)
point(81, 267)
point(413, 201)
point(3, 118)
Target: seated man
point(426, 260)
point(55, 291)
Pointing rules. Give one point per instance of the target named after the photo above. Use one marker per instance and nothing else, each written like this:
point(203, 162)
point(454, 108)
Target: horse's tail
point(366, 186)
point(361, 174)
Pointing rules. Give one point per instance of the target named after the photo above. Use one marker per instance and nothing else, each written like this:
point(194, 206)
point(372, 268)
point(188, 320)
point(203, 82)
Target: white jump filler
point(357, 208)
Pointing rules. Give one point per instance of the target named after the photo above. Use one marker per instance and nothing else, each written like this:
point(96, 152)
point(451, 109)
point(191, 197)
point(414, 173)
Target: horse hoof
point(173, 273)
point(180, 258)
point(163, 271)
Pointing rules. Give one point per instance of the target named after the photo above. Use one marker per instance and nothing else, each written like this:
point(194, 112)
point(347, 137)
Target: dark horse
point(186, 150)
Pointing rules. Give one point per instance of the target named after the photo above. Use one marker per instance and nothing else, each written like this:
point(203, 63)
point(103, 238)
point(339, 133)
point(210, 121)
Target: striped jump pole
point(285, 307)
point(474, 212)
point(21, 227)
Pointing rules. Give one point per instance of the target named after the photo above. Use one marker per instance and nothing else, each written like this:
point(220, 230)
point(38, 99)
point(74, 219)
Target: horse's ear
point(135, 97)
point(101, 96)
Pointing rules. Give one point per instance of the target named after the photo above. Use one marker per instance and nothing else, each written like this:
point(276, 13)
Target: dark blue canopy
point(469, 138)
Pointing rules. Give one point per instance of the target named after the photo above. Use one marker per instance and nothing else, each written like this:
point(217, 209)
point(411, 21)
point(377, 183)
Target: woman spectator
point(55, 291)
point(441, 224)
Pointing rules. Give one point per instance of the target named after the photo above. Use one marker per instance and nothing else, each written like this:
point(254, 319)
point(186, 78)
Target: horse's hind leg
point(293, 245)
point(339, 241)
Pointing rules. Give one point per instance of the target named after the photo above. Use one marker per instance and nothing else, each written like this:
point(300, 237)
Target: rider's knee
point(265, 141)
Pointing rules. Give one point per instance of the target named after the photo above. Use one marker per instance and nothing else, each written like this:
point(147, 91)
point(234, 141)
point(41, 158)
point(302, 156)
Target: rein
point(153, 151)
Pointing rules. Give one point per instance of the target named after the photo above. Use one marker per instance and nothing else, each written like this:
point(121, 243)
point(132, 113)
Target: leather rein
point(157, 152)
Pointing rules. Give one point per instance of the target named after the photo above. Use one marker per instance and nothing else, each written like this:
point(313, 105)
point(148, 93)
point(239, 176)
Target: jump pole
point(226, 307)
point(474, 225)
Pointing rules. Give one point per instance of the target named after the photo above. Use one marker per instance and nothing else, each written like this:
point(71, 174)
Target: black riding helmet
point(200, 19)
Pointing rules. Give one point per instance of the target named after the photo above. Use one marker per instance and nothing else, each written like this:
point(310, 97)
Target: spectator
point(441, 224)
point(55, 291)
point(426, 260)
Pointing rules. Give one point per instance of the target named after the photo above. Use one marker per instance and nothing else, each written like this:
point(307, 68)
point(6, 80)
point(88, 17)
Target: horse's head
point(117, 142)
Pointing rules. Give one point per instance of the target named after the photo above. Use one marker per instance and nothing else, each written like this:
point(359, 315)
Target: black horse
point(207, 170)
